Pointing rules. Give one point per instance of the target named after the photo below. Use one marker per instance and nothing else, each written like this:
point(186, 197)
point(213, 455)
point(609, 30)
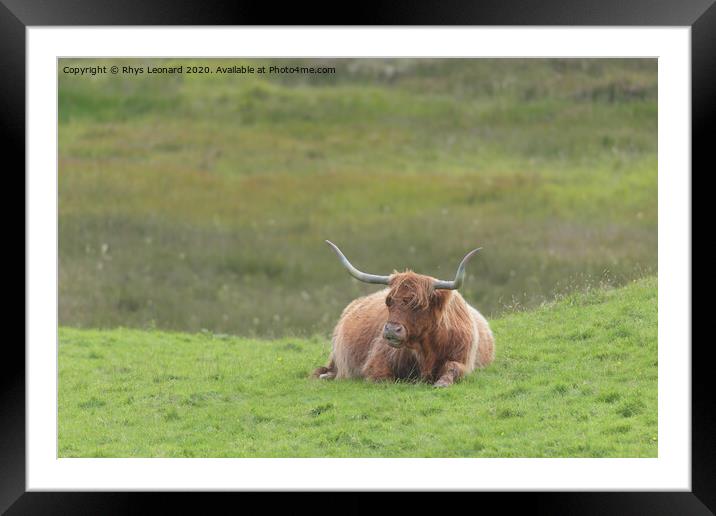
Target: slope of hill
point(575, 378)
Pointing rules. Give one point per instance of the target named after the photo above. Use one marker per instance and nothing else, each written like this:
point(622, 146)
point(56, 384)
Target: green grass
point(191, 202)
point(572, 378)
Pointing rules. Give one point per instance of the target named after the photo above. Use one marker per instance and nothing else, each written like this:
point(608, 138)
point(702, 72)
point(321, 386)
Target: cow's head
point(414, 301)
point(414, 304)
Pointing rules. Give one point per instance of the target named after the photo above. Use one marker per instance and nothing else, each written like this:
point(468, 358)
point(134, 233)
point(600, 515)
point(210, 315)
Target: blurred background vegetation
point(193, 202)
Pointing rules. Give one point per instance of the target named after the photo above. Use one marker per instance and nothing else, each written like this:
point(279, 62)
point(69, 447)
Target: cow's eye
point(406, 300)
point(388, 301)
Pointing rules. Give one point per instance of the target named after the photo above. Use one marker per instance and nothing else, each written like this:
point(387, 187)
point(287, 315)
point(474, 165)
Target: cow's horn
point(459, 276)
point(362, 276)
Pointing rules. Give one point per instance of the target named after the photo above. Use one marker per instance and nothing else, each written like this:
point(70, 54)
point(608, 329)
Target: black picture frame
point(700, 15)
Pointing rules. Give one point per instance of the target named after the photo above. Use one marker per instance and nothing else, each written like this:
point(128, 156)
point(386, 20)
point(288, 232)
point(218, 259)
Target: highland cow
point(419, 328)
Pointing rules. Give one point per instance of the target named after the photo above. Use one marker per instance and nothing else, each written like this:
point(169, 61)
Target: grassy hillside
point(575, 378)
point(202, 201)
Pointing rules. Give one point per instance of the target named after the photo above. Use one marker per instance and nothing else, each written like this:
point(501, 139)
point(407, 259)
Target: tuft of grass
point(549, 393)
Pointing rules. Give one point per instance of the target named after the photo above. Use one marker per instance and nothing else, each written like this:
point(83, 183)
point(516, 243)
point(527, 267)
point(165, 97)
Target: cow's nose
point(393, 330)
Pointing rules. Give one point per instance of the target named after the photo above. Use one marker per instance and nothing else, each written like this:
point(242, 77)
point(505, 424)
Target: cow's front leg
point(377, 367)
point(377, 372)
point(449, 373)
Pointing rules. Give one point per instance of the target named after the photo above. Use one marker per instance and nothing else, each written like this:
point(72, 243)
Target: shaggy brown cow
point(418, 328)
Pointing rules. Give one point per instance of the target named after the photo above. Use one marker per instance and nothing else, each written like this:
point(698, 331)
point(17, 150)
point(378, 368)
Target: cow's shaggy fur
point(445, 337)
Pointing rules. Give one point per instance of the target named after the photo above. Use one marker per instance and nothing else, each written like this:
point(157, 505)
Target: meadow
point(573, 378)
point(196, 292)
point(202, 201)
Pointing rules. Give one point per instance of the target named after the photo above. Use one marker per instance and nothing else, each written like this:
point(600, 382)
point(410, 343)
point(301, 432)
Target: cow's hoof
point(327, 376)
point(442, 383)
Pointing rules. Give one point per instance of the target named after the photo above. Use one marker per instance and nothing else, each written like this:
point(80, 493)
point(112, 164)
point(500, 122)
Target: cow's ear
point(438, 298)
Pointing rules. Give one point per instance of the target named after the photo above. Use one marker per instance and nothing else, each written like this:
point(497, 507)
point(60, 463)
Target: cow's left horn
point(459, 276)
point(362, 276)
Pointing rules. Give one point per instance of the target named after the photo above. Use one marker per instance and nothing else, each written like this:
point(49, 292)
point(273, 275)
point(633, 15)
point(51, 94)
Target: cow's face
point(413, 308)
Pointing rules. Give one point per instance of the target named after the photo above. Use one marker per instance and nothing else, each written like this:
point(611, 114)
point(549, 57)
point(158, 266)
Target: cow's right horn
point(362, 276)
